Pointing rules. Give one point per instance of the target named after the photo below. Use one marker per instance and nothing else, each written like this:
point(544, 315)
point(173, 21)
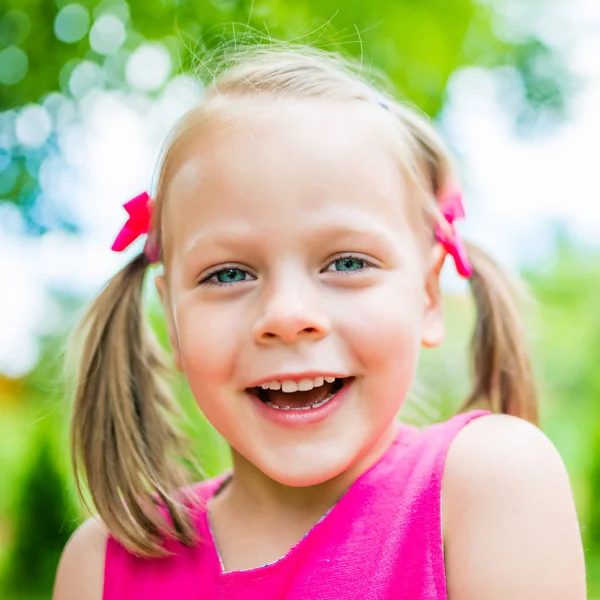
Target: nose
point(288, 316)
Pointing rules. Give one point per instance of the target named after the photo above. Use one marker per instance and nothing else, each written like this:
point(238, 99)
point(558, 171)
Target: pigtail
point(122, 434)
point(501, 363)
point(503, 377)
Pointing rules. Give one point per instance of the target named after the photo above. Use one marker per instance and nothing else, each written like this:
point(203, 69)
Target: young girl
point(302, 220)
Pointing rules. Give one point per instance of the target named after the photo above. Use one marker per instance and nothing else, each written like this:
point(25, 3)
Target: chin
point(304, 471)
point(303, 479)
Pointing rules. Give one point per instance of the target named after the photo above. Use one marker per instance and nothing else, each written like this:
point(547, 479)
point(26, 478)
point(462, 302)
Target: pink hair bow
point(452, 208)
point(140, 219)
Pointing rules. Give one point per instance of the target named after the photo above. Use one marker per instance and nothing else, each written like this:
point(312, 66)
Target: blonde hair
point(123, 435)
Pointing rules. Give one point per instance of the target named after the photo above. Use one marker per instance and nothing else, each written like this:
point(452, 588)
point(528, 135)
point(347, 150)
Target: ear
point(163, 292)
point(433, 317)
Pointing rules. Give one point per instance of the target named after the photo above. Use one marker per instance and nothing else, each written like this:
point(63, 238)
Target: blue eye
point(349, 263)
point(230, 275)
point(226, 276)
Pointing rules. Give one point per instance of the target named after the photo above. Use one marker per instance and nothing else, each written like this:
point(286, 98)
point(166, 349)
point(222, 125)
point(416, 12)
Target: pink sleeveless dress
point(381, 540)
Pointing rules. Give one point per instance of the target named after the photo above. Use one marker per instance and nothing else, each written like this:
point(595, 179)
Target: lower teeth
point(309, 407)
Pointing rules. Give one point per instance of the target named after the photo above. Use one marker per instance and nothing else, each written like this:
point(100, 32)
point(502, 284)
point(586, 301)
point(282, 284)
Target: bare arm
point(80, 573)
point(510, 525)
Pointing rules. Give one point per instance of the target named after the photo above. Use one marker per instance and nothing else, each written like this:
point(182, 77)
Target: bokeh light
point(85, 76)
point(72, 23)
point(148, 67)
point(13, 65)
point(52, 178)
point(15, 27)
point(107, 34)
point(118, 8)
point(33, 126)
point(7, 130)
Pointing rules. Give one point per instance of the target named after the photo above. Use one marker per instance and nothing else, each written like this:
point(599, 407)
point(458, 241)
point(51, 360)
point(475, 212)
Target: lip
point(300, 418)
point(296, 377)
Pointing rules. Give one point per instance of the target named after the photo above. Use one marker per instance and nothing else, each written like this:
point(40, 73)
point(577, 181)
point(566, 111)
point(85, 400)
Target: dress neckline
point(219, 482)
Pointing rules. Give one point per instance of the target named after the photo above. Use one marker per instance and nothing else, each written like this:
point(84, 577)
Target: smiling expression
point(291, 253)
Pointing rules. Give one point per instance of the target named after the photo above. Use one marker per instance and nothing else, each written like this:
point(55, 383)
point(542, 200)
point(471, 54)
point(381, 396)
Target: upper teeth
point(297, 386)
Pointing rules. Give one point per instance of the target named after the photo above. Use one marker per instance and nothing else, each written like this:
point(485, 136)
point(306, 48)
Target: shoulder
point(80, 573)
point(510, 525)
point(501, 449)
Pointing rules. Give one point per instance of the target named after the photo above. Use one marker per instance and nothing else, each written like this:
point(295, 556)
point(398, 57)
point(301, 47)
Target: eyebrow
point(227, 238)
point(232, 236)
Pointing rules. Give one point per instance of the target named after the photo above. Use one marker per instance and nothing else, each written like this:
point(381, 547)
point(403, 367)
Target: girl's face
point(290, 255)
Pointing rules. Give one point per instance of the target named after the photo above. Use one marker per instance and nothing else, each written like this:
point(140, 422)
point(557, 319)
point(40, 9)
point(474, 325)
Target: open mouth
point(311, 399)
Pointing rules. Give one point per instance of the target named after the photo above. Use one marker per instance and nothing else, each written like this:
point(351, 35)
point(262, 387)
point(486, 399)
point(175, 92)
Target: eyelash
point(207, 279)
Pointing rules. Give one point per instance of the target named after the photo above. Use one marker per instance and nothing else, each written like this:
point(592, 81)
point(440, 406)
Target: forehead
point(290, 159)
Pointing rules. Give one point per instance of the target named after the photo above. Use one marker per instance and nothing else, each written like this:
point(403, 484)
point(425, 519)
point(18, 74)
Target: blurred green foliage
point(419, 44)
point(38, 542)
point(51, 50)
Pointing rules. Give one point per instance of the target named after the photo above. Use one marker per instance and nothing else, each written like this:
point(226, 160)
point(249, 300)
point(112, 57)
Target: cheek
point(208, 347)
point(207, 343)
point(387, 334)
